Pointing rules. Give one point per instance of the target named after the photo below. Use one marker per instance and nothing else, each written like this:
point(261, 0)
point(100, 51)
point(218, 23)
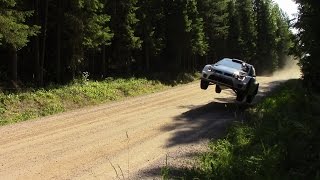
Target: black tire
point(250, 98)
point(218, 89)
point(204, 84)
point(257, 89)
point(240, 96)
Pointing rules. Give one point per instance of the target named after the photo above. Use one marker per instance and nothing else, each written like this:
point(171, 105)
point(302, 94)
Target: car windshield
point(230, 63)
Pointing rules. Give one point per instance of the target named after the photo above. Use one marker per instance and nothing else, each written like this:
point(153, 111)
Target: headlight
point(241, 78)
point(210, 69)
point(238, 77)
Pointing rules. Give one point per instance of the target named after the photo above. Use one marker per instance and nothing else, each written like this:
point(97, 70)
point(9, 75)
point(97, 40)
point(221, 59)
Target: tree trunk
point(37, 45)
point(14, 64)
point(44, 37)
point(37, 60)
point(103, 63)
point(93, 69)
point(59, 26)
point(147, 56)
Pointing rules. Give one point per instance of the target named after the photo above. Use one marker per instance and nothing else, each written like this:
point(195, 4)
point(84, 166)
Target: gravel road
point(123, 140)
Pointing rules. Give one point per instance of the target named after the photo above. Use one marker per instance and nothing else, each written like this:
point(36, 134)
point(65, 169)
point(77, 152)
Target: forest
point(56, 41)
point(307, 42)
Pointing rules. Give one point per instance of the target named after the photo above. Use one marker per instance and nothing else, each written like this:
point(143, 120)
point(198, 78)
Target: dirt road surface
point(123, 140)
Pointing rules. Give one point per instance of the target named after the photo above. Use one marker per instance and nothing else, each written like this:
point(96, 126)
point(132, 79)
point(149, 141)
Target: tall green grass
point(21, 106)
point(280, 139)
point(30, 104)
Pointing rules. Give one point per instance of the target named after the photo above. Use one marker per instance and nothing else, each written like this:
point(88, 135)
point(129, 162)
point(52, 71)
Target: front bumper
point(223, 80)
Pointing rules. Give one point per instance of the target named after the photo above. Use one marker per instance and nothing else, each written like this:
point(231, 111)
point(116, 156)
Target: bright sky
point(288, 6)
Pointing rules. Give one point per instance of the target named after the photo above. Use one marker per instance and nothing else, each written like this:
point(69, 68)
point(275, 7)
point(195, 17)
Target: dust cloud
point(291, 70)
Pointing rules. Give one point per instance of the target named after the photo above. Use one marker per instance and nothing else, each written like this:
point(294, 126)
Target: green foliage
point(266, 31)
point(13, 29)
point(137, 37)
point(248, 33)
point(123, 24)
point(165, 171)
point(98, 33)
point(150, 26)
point(17, 107)
point(86, 28)
point(43, 102)
point(194, 25)
point(151, 30)
point(308, 42)
point(215, 16)
point(283, 36)
point(272, 32)
point(88, 20)
point(233, 38)
point(184, 34)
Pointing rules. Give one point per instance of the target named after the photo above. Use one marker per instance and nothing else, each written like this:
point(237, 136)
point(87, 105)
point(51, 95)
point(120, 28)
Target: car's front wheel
point(204, 84)
point(218, 89)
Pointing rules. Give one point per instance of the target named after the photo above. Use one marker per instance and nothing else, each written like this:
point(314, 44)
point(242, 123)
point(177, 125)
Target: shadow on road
point(210, 121)
point(205, 122)
point(195, 126)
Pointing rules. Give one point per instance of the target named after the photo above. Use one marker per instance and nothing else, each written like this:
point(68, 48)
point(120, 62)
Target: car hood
point(226, 69)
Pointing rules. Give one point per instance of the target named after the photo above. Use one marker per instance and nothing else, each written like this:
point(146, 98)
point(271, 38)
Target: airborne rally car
point(234, 74)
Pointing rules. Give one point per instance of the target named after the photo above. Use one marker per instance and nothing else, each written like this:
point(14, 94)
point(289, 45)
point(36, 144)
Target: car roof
point(234, 63)
point(235, 60)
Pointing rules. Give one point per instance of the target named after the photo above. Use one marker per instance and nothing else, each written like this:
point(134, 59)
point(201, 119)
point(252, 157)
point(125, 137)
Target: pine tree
point(162, 35)
point(14, 31)
point(151, 30)
point(123, 25)
point(87, 29)
point(184, 34)
point(196, 39)
point(195, 26)
point(309, 41)
point(215, 15)
point(233, 39)
point(267, 60)
point(283, 34)
point(247, 30)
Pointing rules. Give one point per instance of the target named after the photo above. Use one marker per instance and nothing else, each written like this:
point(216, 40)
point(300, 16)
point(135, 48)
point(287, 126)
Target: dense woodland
point(55, 41)
point(308, 42)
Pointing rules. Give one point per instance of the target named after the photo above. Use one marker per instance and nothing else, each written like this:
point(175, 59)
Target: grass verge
point(21, 106)
point(280, 139)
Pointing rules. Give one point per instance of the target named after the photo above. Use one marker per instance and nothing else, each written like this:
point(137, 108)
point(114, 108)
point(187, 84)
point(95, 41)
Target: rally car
point(232, 74)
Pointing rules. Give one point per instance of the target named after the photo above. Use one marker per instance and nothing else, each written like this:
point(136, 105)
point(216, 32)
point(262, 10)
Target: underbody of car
point(234, 74)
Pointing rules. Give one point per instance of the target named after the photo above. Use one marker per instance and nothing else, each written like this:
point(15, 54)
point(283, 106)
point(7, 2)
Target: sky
point(288, 6)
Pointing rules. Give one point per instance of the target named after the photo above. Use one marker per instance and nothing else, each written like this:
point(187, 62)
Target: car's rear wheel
point(218, 89)
point(251, 97)
point(240, 96)
point(204, 84)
